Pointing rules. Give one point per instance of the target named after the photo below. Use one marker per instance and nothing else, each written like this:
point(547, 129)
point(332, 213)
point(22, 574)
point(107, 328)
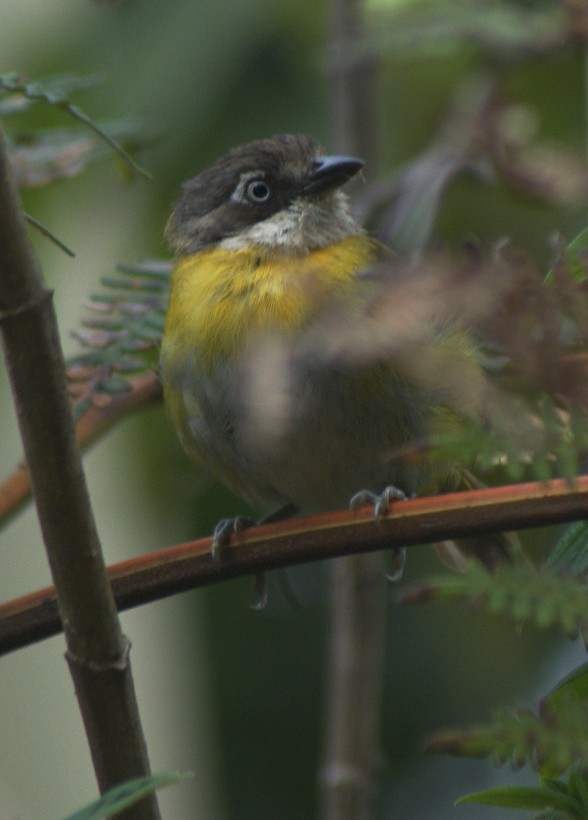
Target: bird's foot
point(223, 532)
point(381, 504)
point(260, 589)
point(227, 527)
point(396, 562)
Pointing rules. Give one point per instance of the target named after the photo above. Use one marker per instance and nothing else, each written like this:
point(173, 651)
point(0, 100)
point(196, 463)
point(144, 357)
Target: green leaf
point(156, 268)
point(521, 593)
point(576, 254)
point(126, 795)
point(55, 94)
point(123, 332)
point(571, 551)
point(525, 797)
point(499, 27)
point(539, 442)
point(16, 103)
point(573, 685)
point(128, 364)
point(82, 406)
point(114, 385)
point(142, 283)
point(551, 742)
point(578, 788)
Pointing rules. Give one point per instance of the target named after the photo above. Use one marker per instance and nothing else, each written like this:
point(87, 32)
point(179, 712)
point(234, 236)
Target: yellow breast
point(220, 296)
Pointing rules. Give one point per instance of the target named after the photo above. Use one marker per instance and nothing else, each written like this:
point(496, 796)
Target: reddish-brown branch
point(423, 520)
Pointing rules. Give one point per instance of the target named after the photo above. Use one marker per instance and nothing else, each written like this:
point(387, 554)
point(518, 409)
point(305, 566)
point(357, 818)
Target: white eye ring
point(257, 191)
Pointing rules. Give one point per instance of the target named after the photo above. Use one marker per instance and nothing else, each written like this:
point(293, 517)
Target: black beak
point(330, 172)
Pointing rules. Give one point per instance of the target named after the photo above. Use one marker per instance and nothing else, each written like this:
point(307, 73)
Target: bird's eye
point(257, 191)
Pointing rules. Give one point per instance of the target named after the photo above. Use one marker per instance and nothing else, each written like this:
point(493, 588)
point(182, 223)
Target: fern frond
point(553, 742)
point(520, 593)
point(123, 332)
point(571, 551)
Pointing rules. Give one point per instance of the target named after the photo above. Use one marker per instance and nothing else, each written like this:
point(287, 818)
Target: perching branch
point(97, 650)
point(169, 571)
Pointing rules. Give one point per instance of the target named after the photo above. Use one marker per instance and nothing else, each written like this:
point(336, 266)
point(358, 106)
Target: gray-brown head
point(279, 192)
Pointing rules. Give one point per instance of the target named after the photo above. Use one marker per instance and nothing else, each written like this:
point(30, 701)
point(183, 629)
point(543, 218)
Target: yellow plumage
point(337, 424)
point(274, 280)
point(219, 296)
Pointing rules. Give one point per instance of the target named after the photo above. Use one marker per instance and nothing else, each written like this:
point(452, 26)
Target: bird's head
point(280, 193)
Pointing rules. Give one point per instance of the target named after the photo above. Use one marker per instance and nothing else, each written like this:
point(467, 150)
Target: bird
point(274, 284)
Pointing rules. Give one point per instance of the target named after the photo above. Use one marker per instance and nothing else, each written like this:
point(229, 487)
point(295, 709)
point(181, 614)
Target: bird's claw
point(221, 538)
point(396, 565)
point(381, 502)
point(223, 532)
point(260, 587)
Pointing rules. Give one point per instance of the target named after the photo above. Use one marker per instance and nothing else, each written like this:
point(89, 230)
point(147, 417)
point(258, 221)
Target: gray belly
point(312, 438)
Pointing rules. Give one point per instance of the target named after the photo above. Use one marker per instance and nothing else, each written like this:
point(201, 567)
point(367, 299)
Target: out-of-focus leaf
point(126, 795)
point(55, 94)
point(501, 28)
point(17, 103)
point(124, 333)
point(550, 743)
point(148, 268)
point(574, 686)
point(526, 797)
point(571, 551)
point(41, 157)
point(520, 593)
point(576, 257)
point(49, 156)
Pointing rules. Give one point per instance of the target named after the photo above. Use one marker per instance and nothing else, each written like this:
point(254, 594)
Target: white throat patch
point(305, 225)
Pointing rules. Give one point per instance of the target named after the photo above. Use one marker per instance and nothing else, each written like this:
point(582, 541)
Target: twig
point(358, 596)
point(169, 571)
point(353, 85)
point(97, 650)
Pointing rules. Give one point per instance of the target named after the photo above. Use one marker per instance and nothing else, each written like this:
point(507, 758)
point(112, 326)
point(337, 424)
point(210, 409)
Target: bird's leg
point(381, 504)
point(287, 511)
point(227, 527)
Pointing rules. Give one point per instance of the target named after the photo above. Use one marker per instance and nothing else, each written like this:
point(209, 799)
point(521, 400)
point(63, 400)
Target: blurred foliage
point(122, 333)
point(124, 796)
point(481, 136)
point(498, 29)
point(571, 551)
point(555, 742)
point(523, 594)
point(42, 157)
